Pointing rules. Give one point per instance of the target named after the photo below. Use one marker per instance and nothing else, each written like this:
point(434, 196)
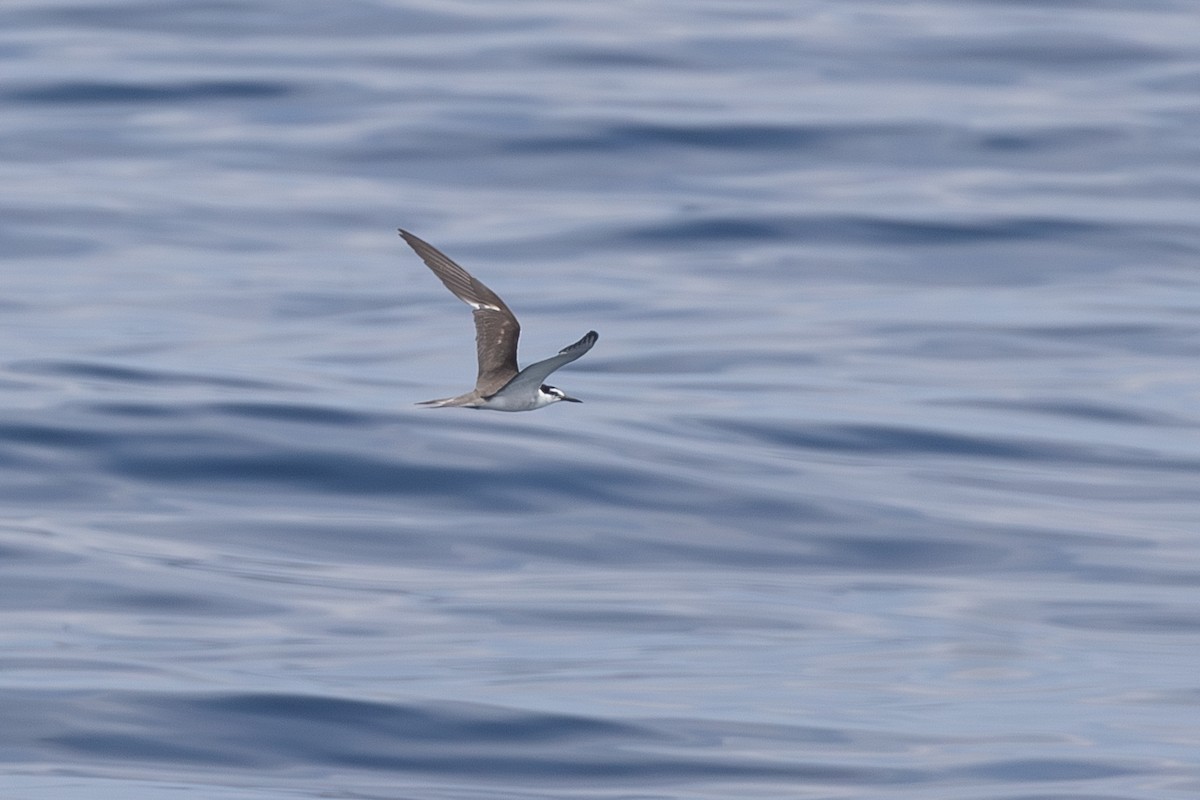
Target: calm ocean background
point(886, 483)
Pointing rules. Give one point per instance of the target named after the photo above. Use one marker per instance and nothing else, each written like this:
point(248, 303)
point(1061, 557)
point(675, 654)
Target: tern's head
point(552, 394)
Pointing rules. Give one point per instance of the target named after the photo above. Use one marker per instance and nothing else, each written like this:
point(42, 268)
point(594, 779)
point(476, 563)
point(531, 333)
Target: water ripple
point(282, 731)
point(94, 92)
point(902, 441)
point(858, 228)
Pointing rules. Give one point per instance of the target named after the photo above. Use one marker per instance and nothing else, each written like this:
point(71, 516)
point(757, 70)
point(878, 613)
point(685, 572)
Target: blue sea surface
point(886, 480)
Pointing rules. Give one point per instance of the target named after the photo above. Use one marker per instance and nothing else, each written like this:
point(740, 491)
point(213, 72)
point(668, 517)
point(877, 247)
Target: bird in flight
point(500, 385)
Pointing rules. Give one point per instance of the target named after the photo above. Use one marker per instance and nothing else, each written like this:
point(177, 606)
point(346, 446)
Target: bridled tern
point(499, 386)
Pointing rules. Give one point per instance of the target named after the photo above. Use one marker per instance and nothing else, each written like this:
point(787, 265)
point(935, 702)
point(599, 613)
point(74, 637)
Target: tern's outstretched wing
point(496, 327)
point(533, 376)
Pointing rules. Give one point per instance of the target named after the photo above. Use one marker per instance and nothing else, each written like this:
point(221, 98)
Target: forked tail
point(469, 400)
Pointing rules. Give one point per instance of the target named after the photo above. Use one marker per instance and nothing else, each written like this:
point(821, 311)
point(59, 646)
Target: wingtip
point(585, 343)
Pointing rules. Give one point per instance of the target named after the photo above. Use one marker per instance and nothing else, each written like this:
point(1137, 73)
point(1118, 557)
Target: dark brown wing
point(496, 327)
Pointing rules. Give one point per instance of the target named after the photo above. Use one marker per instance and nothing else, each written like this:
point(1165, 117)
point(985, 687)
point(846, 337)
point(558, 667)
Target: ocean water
point(886, 482)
